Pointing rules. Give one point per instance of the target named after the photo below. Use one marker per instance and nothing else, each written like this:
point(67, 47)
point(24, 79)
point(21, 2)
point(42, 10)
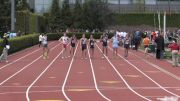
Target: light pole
point(13, 19)
point(169, 4)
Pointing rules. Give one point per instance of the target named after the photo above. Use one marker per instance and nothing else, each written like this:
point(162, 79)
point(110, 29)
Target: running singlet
point(91, 42)
point(126, 41)
point(115, 40)
point(104, 39)
point(73, 40)
point(44, 40)
point(65, 39)
point(83, 41)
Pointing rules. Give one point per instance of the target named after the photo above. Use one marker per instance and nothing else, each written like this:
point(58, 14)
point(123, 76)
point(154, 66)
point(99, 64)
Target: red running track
point(27, 77)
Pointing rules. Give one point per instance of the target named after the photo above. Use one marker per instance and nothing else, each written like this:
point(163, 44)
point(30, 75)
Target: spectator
point(6, 47)
point(174, 49)
point(160, 46)
point(146, 42)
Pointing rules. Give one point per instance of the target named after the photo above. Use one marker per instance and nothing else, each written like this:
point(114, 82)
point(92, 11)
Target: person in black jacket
point(5, 45)
point(160, 46)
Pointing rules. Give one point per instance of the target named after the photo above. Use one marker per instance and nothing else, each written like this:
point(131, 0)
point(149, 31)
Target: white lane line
point(27, 91)
point(91, 87)
point(65, 80)
point(146, 75)
point(159, 68)
point(123, 78)
point(24, 68)
point(21, 58)
point(94, 78)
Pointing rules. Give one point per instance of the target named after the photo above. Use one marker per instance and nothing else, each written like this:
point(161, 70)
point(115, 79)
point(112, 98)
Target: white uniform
point(40, 38)
point(44, 40)
point(64, 39)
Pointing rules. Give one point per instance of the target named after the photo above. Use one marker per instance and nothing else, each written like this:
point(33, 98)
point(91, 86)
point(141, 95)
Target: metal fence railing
point(137, 8)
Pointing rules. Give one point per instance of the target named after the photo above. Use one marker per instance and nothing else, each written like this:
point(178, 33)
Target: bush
point(19, 43)
point(29, 22)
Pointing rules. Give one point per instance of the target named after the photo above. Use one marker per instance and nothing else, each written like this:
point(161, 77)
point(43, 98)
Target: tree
point(66, 15)
point(95, 14)
point(77, 15)
point(54, 17)
point(22, 5)
point(4, 16)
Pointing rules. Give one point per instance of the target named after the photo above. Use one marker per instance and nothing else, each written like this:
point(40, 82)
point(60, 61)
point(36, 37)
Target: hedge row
point(19, 43)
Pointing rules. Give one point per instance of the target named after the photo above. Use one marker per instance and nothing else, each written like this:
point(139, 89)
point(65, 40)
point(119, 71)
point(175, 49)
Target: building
point(119, 6)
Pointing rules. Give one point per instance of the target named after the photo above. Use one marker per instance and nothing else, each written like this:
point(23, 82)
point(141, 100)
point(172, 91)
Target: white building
point(40, 6)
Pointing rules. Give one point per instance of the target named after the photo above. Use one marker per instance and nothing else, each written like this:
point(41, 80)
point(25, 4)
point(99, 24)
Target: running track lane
point(157, 73)
point(19, 63)
point(48, 87)
point(149, 91)
point(21, 55)
point(14, 89)
point(79, 84)
point(109, 82)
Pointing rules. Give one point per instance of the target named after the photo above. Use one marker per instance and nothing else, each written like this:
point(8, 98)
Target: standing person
point(5, 45)
point(91, 43)
point(84, 47)
point(137, 39)
point(174, 49)
point(64, 40)
point(115, 44)
point(40, 39)
point(160, 46)
point(73, 44)
point(45, 46)
point(104, 40)
point(146, 42)
point(126, 45)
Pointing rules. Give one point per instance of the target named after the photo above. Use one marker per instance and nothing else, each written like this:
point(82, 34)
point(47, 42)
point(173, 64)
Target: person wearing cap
point(5, 45)
point(174, 49)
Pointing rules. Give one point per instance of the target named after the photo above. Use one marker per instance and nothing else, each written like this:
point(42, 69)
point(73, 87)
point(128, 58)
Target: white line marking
point(65, 80)
point(123, 78)
point(27, 91)
point(159, 68)
point(94, 77)
point(26, 49)
point(24, 68)
point(146, 75)
point(21, 58)
point(102, 87)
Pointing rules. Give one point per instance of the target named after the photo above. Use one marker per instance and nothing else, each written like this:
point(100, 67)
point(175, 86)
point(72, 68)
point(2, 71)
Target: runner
point(84, 47)
point(6, 47)
point(91, 43)
point(64, 40)
point(115, 44)
point(104, 40)
point(126, 45)
point(45, 47)
point(40, 39)
point(146, 42)
point(73, 44)
point(174, 49)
